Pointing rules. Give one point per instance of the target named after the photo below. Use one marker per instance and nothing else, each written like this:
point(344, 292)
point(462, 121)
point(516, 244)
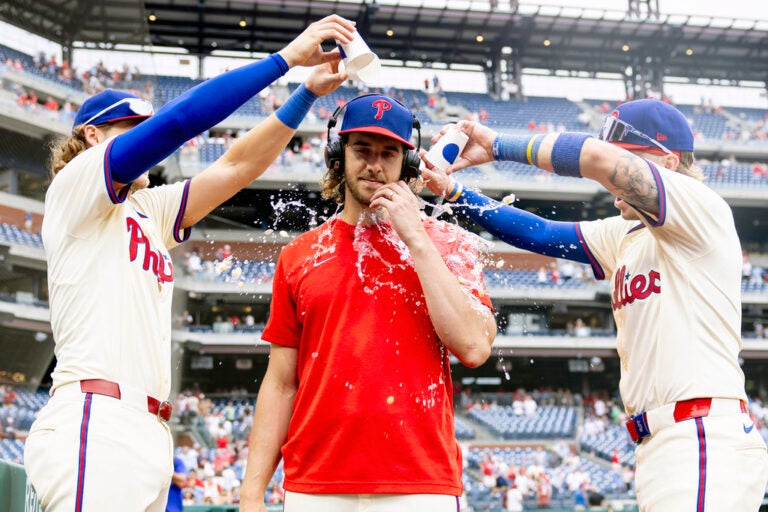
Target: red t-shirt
point(374, 410)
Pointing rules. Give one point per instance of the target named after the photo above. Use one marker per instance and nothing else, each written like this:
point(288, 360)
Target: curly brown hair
point(333, 179)
point(64, 149)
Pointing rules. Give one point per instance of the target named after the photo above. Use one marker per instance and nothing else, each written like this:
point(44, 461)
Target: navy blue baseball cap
point(375, 113)
point(648, 123)
point(110, 106)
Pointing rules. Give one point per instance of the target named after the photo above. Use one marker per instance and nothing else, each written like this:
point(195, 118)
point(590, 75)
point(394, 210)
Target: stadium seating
point(12, 234)
point(12, 450)
point(464, 430)
point(600, 477)
point(517, 114)
point(614, 437)
point(549, 422)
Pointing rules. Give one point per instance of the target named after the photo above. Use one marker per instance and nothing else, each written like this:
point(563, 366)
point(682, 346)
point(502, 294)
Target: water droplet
point(314, 354)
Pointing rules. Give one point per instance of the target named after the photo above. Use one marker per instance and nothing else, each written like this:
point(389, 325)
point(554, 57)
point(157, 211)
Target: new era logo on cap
point(381, 115)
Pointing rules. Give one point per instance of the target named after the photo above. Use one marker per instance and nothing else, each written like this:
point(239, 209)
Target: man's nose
point(375, 162)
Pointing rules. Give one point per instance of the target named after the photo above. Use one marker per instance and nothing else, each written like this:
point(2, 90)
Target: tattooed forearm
point(633, 182)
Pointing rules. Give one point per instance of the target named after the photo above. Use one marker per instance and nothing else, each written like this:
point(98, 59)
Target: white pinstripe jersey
point(676, 295)
point(110, 276)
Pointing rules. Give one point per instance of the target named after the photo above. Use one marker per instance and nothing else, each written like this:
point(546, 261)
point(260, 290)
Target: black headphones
point(334, 150)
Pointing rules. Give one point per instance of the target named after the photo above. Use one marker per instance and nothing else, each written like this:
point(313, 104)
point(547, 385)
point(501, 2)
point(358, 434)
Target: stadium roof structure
point(560, 40)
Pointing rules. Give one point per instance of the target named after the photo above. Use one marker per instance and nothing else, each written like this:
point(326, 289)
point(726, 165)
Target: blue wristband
point(294, 110)
point(455, 192)
point(566, 152)
point(533, 152)
point(513, 148)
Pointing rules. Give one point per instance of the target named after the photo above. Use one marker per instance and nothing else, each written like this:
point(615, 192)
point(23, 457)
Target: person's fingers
point(335, 66)
point(335, 18)
point(458, 165)
point(337, 33)
point(423, 155)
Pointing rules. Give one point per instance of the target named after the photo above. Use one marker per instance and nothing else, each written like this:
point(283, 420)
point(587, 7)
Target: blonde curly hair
point(688, 166)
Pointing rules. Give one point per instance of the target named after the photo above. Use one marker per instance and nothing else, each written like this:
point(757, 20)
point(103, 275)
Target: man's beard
point(353, 185)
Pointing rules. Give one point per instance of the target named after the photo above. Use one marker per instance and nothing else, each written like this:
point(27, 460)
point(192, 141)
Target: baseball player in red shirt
point(101, 442)
point(673, 258)
point(366, 309)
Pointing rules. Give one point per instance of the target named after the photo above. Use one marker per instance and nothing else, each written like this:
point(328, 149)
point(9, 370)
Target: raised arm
point(136, 151)
point(514, 226)
point(624, 174)
point(252, 153)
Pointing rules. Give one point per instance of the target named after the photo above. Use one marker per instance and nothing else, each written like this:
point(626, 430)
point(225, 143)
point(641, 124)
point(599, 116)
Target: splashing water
point(502, 365)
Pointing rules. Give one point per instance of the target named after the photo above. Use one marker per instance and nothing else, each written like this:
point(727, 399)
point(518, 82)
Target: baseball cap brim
point(379, 131)
point(126, 118)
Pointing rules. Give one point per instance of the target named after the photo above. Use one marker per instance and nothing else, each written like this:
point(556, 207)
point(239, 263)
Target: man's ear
point(93, 136)
point(670, 161)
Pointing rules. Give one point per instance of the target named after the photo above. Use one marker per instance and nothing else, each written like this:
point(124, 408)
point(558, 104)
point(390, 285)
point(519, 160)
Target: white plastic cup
point(446, 150)
point(360, 63)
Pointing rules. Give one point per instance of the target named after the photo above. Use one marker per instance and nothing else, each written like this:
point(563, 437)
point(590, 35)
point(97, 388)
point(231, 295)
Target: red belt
point(637, 425)
point(160, 409)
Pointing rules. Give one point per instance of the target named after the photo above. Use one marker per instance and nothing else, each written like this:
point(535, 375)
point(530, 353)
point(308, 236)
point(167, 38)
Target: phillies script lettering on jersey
point(626, 290)
point(153, 260)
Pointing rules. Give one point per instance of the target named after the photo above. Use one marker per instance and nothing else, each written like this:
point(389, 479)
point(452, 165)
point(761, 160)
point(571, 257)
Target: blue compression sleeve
point(205, 105)
point(294, 110)
point(523, 229)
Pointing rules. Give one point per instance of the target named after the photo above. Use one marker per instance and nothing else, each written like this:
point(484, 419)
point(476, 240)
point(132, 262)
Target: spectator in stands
point(580, 501)
point(674, 258)
point(541, 275)
point(514, 499)
point(366, 309)
point(188, 498)
point(178, 482)
point(595, 500)
point(529, 406)
point(746, 266)
point(110, 276)
point(543, 491)
point(759, 329)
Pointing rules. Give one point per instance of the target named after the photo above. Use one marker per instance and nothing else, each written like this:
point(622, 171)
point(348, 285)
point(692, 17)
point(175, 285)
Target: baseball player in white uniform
point(102, 442)
point(674, 260)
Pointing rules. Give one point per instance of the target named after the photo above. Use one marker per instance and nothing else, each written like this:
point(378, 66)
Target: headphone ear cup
point(334, 154)
point(411, 164)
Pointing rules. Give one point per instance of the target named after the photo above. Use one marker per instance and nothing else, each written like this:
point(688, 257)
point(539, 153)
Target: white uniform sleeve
point(692, 218)
point(601, 240)
point(166, 206)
